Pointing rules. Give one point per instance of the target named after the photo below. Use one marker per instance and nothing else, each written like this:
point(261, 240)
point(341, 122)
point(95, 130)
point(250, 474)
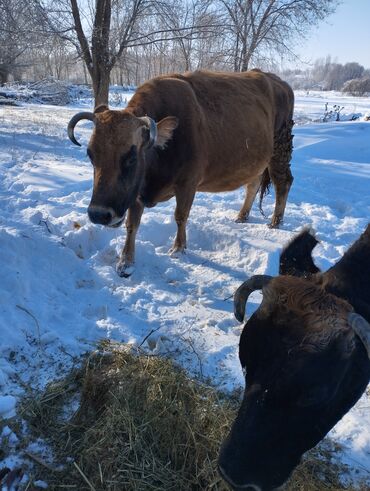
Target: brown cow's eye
point(130, 158)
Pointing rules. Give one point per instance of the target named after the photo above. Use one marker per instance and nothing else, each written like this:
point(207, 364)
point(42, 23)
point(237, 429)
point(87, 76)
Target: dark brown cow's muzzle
point(238, 487)
point(245, 487)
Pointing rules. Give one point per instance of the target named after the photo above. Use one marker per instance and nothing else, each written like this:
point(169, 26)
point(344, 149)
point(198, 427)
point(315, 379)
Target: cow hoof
point(176, 252)
point(241, 219)
point(125, 270)
point(274, 224)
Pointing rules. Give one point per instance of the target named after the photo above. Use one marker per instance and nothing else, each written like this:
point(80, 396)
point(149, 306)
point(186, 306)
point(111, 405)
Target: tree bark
point(4, 74)
point(100, 79)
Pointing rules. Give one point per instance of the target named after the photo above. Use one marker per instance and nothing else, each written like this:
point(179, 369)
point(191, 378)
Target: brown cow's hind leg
point(251, 190)
point(125, 264)
point(279, 169)
point(281, 191)
point(184, 200)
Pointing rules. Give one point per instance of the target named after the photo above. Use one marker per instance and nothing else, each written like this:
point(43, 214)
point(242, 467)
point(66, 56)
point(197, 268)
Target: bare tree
point(99, 30)
point(128, 41)
point(102, 31)
point(357, 87)
point(193, 21)
point(259, 28)
point(333, 75)
point(16, 35)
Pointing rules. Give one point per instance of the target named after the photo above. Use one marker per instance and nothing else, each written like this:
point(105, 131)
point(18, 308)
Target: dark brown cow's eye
point(313, 397)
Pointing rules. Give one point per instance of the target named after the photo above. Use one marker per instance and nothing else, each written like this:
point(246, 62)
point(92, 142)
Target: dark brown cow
point(201, 131)
point(306, 353)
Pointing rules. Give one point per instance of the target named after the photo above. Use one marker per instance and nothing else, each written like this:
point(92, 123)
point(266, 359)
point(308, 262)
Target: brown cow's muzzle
point(102, 215)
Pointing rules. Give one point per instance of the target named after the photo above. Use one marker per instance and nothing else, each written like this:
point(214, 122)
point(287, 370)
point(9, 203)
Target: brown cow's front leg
point(125, 264)
point(184, 200)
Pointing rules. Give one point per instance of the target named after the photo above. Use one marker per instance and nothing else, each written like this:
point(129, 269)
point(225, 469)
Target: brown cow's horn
point(76, 118)
point(241, 295)
point(361, 328)
point(153, 131)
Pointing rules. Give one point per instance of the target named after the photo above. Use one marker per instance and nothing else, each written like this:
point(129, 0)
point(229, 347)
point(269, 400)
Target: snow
point(8, 433)
point(59, 292)
point(7, 406)
point(51, 91)
point(310, 105)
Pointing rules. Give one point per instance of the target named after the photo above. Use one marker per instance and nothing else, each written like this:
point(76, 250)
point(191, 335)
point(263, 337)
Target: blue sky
point(345, 35)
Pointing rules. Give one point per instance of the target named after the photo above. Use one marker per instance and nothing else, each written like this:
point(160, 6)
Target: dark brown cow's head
point(305, 368)
point(117, 150)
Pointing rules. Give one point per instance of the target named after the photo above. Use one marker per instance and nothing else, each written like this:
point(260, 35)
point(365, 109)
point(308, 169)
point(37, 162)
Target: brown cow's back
point(227, 122)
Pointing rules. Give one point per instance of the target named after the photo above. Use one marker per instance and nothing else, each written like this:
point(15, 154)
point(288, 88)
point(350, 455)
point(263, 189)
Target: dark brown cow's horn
point(361, 328)
point(241, 295)
point(76, 118)
point(153, 131)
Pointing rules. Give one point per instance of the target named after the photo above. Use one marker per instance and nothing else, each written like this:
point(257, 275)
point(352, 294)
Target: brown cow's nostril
point(100, 215)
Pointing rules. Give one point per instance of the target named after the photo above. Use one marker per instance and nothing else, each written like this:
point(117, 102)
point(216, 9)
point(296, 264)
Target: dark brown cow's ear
point(101, 108)
point(165, 128)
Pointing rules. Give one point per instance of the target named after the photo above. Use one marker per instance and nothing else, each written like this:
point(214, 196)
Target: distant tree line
point(330, 75)
point(129, 41)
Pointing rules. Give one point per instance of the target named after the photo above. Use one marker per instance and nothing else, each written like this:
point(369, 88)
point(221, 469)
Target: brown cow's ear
point(101, 108)
point(165, 128)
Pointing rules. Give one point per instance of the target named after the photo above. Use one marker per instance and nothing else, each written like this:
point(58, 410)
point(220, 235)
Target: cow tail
point(264, 188)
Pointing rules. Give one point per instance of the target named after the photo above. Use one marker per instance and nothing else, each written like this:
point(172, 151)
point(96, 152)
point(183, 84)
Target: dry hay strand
point(143, 424)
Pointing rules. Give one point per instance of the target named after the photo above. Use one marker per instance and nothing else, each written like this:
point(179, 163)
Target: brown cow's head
point(305, 368)
point(117, 150)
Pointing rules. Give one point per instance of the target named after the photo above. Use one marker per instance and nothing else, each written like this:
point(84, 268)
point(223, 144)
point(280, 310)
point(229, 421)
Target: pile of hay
point(142, 424)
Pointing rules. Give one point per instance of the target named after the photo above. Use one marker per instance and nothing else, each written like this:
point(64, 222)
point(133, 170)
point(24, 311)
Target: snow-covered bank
point(59, 292)
point(310, 106)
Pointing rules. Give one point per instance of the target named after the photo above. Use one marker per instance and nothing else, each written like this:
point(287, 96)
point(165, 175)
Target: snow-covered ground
point(59, 292)
point(310, 106)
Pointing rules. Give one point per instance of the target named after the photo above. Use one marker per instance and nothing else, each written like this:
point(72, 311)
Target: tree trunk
point(85, 72)
point(120, 75)
point(245, 56)
point(100, 82)
point(4, 74)
point(245, 63)
point(236, 54)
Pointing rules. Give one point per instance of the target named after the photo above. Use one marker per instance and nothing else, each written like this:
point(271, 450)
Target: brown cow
point(201, 131)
